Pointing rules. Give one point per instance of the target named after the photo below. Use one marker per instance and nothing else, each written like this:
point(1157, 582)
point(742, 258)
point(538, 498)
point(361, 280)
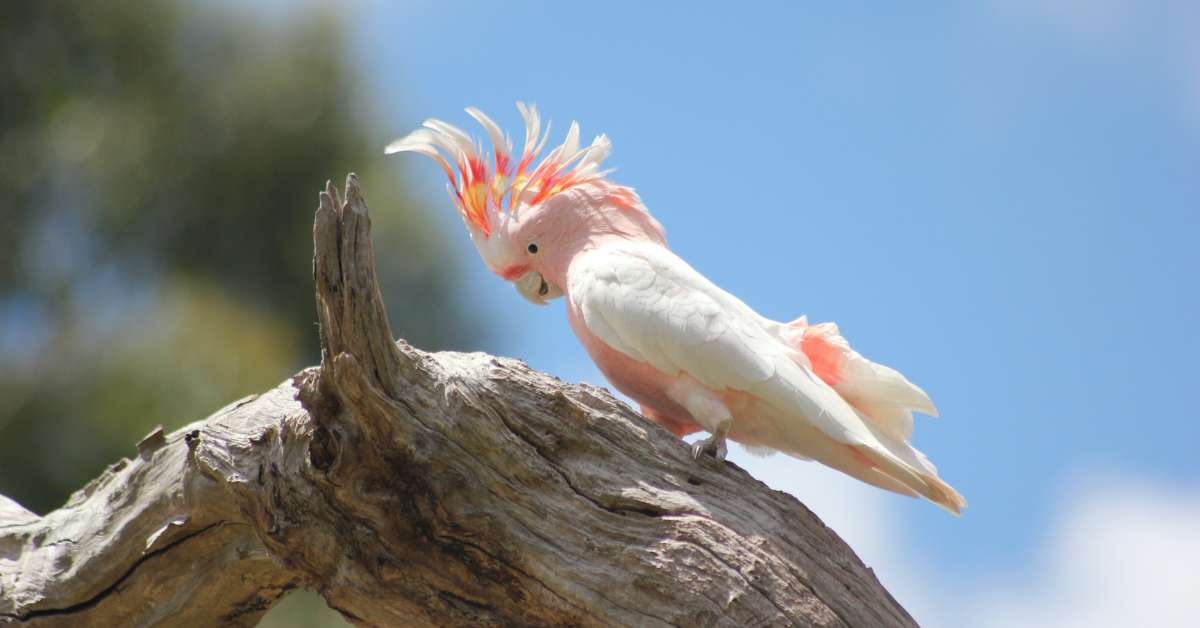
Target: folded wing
point(647, 303)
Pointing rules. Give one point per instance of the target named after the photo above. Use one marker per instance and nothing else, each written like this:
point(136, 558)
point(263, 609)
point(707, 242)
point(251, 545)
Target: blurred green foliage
point(159, 167)
point(302, 609)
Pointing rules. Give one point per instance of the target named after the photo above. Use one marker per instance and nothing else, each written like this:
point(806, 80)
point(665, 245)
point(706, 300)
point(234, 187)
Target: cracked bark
point(417, 489)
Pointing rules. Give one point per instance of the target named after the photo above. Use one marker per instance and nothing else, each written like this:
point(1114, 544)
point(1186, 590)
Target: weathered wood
point(152, 542)
point(417, 489)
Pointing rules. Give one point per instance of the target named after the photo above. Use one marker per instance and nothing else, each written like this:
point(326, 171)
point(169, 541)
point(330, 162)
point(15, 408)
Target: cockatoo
point(692, 355)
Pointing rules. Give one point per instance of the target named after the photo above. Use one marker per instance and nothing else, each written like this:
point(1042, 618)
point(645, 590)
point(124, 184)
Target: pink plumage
point(692, 355)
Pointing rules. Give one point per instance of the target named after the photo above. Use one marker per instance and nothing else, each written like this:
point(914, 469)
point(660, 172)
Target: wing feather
point(650, 305)
point(657, 309)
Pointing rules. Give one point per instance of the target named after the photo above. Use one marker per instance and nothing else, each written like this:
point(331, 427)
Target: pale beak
point(536, 289)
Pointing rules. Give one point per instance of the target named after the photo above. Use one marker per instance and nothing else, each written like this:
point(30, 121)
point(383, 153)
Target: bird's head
point(529, 220)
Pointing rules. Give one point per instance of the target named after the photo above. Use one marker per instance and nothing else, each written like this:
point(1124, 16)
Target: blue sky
point(999, 199)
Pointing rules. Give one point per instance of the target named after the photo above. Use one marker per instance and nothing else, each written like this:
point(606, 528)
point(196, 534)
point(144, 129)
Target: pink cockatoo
point(694, 356)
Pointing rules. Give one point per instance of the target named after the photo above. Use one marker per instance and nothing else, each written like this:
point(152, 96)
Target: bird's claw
point(714, 445)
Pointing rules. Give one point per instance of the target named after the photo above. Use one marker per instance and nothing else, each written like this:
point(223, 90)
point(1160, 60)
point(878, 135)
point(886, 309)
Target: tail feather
point(897, 421)
point(910, 467)
point(883, 400)
point(882, 461)
point(929, 486)
point(851, 461)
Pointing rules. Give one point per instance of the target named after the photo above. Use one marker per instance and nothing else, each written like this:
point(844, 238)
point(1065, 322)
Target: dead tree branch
point(417, 489)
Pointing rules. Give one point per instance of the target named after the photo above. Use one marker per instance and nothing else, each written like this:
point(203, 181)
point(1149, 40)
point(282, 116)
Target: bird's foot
point(714, 444)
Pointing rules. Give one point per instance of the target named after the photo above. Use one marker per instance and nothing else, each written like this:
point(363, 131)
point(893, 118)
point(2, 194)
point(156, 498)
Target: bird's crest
point(488, 190)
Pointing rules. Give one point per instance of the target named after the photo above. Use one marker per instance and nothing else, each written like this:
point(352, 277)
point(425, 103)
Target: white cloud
point(1122, 553)
point(1161, 32)
point(1096, 22)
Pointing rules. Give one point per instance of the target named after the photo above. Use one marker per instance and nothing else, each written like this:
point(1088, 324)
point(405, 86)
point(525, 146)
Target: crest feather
point(486, 191)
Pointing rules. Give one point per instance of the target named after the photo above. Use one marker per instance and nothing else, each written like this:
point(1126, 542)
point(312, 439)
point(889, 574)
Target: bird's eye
point(533, 248)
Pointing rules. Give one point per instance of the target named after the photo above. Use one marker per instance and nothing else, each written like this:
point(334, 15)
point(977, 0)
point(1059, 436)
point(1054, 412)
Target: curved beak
point(536, 289)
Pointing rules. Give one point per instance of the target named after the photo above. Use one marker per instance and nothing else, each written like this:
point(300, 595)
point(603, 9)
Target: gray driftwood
point(417, 489)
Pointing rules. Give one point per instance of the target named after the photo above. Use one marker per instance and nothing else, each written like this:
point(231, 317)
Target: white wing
point(650, 305)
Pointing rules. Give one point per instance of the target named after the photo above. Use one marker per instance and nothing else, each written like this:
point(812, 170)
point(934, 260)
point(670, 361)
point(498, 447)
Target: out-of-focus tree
point(159, 163)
